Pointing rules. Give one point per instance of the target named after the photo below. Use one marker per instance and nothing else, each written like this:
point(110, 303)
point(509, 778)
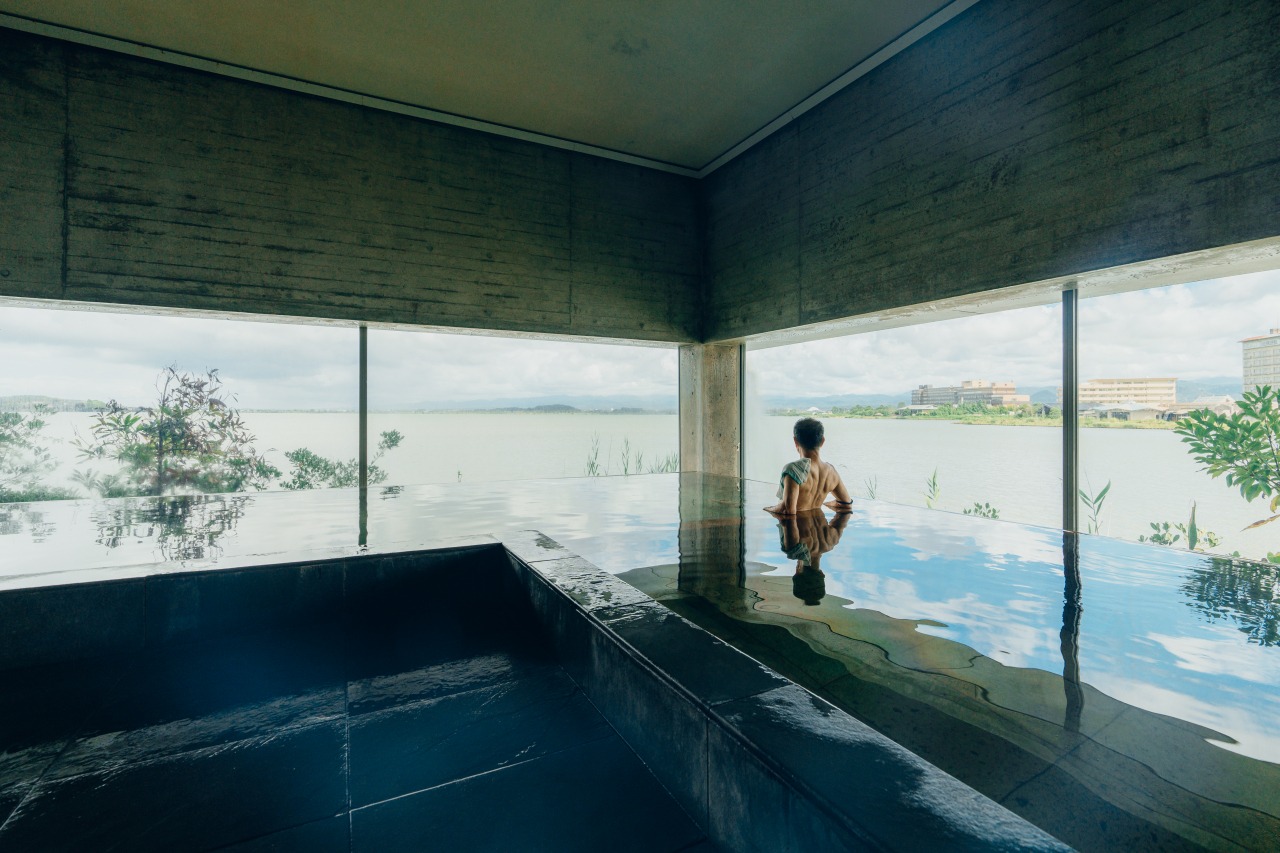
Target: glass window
point(960, 415)
point(101, 404)
point(476, 409)
point(1152, 363)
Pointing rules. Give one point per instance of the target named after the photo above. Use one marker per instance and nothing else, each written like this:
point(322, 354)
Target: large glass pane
point(99, 404)
point(960, 415)
point(465, 408)
point(1153, 363)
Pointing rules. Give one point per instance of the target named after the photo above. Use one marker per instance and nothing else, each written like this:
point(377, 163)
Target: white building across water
point(1261, 358)
point(1155, 392)
point(969, 391)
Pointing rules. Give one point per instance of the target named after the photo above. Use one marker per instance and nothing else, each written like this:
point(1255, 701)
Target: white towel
point(798, 471)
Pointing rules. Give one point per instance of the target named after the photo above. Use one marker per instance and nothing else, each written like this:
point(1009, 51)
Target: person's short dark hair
point(808, 432)
point(810, 586)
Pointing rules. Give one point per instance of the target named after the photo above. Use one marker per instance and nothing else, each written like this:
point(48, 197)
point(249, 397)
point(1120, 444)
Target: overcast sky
point(81, 354)
point(1189, 331)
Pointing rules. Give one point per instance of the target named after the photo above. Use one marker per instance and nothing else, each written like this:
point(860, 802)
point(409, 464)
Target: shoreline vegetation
point(1030, 417)
point(518, 410)
point(194, 440)
point(31, 403)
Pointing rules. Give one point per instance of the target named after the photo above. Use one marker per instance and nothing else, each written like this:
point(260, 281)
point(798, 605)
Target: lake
point(1014, 469)
point(1017, 470)
point(443, 448)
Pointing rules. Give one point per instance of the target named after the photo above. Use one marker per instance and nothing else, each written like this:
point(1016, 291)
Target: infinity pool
point(1120, 696)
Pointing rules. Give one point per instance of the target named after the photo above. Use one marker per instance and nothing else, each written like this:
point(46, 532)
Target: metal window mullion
point(742, 412)
point(1070, 413)
point(364, 435)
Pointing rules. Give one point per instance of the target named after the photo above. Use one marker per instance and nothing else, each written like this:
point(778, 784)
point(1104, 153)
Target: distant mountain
point(1190, 390)
point(1047, 394)
point(550, 409)
point(778, 401)
point(558, 402)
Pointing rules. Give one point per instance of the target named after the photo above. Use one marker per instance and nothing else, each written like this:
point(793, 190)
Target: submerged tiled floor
point(384, 738)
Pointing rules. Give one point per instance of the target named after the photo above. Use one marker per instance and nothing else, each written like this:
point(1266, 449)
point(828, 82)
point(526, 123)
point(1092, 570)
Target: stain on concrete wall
point(133, 182)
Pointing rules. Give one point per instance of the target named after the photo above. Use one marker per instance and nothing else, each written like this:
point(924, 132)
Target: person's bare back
point(807, 481)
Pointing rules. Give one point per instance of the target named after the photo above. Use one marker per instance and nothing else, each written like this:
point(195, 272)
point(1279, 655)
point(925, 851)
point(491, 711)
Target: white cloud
point(1190, 331)
point(419, 367)
point(81, 354)
point(1021, 345)
point(1238, 718)
point(1222, 654)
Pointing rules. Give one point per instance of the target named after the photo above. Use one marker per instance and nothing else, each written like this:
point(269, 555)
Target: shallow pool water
point(1121, 696)
point(76, 541)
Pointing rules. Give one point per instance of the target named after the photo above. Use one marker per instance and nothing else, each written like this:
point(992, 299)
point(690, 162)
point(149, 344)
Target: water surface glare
point(1118, 695)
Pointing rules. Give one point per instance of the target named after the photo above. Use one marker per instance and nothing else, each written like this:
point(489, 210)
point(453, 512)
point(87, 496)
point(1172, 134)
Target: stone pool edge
point(68, 622)
point(758, 761)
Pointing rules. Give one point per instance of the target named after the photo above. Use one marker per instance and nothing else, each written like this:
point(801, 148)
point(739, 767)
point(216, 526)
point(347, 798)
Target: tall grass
point(630, 461)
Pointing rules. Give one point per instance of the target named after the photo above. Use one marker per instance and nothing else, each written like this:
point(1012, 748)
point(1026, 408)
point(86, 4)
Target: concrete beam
point(130, 183)
point(1017, 143)
point(711, 408)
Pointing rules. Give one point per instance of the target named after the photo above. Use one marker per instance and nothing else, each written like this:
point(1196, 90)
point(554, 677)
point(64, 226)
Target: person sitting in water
point(807, 481)
point(805, 537)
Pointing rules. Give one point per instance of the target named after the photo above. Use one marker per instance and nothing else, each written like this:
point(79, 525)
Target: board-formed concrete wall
point(1019, 142)
point(132, 182)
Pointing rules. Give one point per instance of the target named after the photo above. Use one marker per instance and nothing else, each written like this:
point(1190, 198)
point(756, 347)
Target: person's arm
point(842, 501)
point(790, 496)
point(839, 522)
point(790, 533)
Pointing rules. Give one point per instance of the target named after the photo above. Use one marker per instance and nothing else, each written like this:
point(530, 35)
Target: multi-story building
point(931, 395)
point(969, 391)
point(1261, 358)
point(1155, 392)
point(991, 393)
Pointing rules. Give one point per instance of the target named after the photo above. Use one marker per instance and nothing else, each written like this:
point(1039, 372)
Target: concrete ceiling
point(670, 81)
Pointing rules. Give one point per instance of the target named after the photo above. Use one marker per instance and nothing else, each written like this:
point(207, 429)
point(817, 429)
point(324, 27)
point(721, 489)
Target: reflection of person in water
point(807, 481)
point(805, 537)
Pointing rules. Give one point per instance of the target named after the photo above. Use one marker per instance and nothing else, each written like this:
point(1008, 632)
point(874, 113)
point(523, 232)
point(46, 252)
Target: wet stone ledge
point(758, 761)
point(69, 622)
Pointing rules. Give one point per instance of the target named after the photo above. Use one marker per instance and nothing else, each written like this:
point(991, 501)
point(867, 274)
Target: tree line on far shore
point(190, 440)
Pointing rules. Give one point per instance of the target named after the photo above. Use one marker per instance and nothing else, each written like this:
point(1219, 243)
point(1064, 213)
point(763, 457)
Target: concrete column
point(711, 409)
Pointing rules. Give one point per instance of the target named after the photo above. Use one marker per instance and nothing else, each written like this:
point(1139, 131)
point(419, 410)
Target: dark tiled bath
point(411, 722)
